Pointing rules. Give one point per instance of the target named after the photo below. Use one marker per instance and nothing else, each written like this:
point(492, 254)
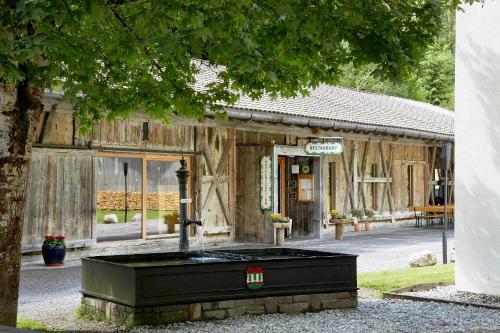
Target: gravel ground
point(450, 293)
point(372, 315)
point(51, 297)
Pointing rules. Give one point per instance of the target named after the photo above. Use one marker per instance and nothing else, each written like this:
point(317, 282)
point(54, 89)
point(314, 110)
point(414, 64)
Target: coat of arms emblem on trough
point(255, 277)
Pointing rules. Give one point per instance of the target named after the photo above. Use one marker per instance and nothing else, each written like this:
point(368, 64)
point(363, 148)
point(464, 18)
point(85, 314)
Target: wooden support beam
point(361, 185)
point(369, 179)
point(355, 168)
point(348, 178)
point(387, 172)
point(431, 175)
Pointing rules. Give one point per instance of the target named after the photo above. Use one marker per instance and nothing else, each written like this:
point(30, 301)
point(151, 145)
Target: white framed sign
point(324, 148)
point(266, 182)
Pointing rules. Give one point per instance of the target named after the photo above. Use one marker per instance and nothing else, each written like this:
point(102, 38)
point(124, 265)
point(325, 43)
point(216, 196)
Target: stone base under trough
point(158, 315)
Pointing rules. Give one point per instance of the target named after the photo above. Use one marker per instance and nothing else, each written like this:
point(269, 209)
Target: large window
point(119, 198)
point(142, 204)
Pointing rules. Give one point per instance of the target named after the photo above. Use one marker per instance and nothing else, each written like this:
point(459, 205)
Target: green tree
point(113, 57)
point(436, 76)
point(432, 80)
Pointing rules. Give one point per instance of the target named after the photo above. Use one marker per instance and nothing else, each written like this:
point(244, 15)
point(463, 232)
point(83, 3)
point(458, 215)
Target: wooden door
point(301, 212)
point(215, 194)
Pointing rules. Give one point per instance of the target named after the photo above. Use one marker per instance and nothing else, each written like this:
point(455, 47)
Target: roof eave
point(269, 117)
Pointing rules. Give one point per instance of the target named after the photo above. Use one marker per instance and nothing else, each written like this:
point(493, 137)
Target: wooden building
point(390, 160)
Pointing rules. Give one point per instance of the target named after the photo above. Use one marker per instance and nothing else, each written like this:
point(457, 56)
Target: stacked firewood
point(156, 201)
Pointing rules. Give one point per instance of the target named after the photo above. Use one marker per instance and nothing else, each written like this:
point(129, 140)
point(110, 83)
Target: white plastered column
point(477, 138)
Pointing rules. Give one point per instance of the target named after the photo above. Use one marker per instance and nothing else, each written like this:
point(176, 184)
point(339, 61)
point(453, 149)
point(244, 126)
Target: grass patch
point(151, 214)
point(400, 278)
point(30, 324)
point(86, 314)
point(130, 322)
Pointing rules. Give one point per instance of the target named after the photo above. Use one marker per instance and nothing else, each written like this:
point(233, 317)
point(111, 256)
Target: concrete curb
point(396, 294)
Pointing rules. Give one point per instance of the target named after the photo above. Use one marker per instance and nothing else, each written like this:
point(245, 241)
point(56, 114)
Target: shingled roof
point(350, 106)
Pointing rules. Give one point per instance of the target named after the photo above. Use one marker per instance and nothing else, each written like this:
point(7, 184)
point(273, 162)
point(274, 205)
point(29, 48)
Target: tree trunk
point(20, 108)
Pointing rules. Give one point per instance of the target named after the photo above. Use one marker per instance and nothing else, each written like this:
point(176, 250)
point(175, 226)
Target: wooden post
point(348, 178)
point(231, 135)
point(431, 175)
point(355, 167)
point(362, 171)
point(387, 171)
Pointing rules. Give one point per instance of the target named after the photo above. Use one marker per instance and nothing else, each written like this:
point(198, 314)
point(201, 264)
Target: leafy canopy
point(121, 56)
point(432, 80)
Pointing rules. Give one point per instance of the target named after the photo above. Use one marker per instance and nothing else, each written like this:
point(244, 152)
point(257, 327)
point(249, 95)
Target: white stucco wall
point(477, 138)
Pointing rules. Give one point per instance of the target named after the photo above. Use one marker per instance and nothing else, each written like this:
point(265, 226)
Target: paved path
point(383, 250)
point(51, 295)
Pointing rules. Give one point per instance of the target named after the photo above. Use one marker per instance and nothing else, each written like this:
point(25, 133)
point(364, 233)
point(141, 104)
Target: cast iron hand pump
point(184, 222)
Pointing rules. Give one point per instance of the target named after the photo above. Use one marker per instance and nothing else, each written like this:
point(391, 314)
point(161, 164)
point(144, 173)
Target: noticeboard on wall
point(305, 188)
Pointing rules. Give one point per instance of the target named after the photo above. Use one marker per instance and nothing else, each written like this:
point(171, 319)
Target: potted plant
point(280, 223)
point(334, 215)
point(54, 250)
point(369, 215)
point(357, 214)
point(339, 220)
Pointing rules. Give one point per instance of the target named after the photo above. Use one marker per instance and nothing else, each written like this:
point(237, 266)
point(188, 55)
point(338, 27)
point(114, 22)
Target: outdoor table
point(339, 227)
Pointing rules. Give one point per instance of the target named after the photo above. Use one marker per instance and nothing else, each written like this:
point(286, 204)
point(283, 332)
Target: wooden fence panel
point(60, 198)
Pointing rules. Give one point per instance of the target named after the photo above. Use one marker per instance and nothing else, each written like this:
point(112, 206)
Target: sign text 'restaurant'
point(324, 148)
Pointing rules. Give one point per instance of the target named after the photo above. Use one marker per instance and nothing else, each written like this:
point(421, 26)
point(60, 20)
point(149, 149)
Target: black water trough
point(155, 279)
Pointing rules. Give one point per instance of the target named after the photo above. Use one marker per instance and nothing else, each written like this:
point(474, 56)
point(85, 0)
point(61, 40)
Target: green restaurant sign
point(324, 148)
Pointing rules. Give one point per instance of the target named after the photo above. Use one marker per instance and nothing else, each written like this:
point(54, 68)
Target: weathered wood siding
point(61, 197)
point(404, 155)
point(129, 133)
point(252, 224)
point(59, 128)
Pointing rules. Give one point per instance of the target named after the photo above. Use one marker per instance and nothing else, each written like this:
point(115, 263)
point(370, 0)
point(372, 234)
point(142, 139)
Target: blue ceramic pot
point(54, 256)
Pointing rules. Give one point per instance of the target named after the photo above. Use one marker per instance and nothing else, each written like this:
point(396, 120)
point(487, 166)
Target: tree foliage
point(114, 57)
point(432, 80)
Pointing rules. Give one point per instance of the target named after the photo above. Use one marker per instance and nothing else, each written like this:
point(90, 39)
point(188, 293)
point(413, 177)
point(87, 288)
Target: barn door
point(215, 171)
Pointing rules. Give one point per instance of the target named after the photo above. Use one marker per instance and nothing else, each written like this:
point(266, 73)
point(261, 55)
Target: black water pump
point(184, 222)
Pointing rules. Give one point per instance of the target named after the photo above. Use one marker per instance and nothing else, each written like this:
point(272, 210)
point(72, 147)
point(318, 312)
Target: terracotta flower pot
point(368, 226)
point(357, 227)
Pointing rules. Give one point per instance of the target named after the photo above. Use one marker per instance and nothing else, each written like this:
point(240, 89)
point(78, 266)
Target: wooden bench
point(431, 213)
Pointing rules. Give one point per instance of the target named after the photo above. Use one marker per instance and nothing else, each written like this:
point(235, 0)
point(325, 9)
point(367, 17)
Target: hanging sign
point(266, 182)
point(324, 148)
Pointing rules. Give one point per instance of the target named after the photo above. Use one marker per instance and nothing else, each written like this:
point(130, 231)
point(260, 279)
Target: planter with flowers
point(369, 213)
point(54, 250)
point(280, 223)
point(357, 214)
point(339, 220)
